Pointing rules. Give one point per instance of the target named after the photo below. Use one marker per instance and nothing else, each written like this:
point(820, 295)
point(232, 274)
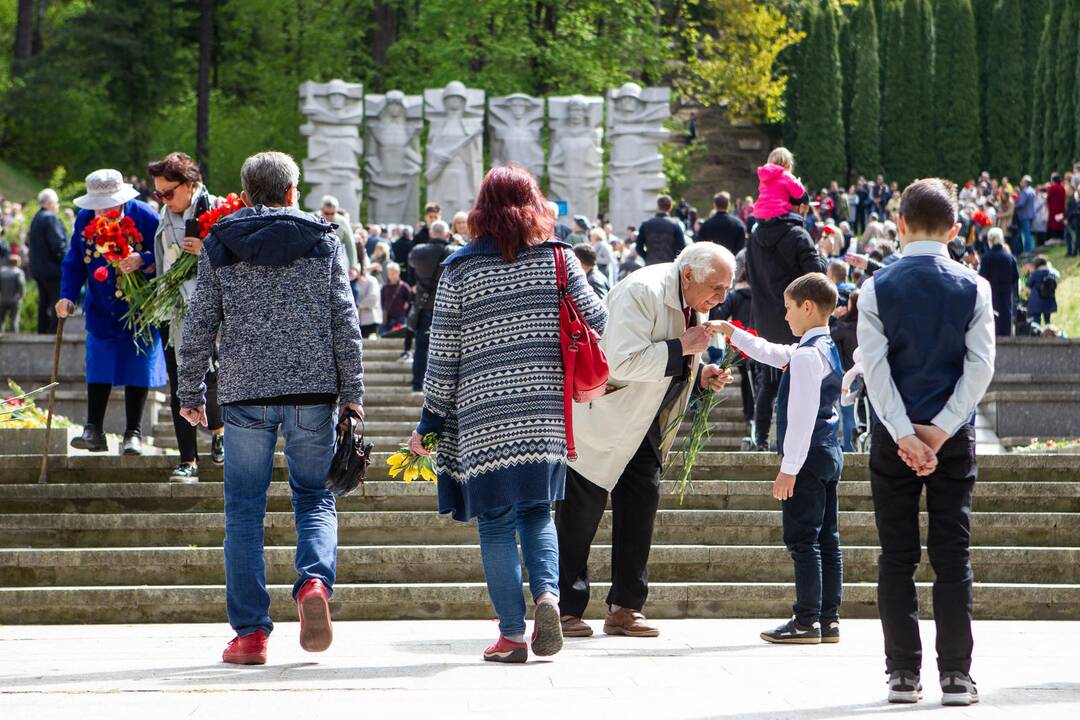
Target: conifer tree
point(1032, 20)
point(864, 136)
point(1064, 109)
point(894, 130)
point(1034, 156)
point(1049, 84)
point(1005, 124)
point(820, 144)
point(956, 91)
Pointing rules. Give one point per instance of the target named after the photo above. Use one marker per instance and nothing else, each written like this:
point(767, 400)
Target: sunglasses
point(168, 194)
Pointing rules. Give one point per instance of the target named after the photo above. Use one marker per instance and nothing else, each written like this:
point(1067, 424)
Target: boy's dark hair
point(1040, 261)
point(929, 206)
point(1056, 177)
point(722, 201)
point(432, 208)
point(585, 254)
point(816, 288)
point(663, 203)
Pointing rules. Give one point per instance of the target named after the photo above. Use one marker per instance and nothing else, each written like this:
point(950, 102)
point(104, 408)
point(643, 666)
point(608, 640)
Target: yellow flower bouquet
point(415, 467)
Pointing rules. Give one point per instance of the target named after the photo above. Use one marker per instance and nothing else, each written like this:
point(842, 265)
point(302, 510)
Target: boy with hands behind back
point(807, 439)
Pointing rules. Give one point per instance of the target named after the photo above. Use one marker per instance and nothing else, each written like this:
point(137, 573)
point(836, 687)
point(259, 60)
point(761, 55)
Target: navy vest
point(825, 427)
point(926, 303)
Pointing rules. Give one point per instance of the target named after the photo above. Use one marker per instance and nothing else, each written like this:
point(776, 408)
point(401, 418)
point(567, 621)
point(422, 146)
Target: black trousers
point(186, 433)
point(634, 503)
point(896, 489)
point(48, 296)
point(767, 384)
point(423, 339)
point(97, 401)
point(746, 388)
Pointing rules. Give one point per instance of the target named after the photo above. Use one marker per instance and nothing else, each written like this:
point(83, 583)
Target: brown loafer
point(630, 623)
point(575, 627)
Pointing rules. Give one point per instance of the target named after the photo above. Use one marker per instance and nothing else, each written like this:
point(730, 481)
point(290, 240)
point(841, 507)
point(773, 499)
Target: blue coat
point(1036, 302)
point(111, 355)
point(999, 268)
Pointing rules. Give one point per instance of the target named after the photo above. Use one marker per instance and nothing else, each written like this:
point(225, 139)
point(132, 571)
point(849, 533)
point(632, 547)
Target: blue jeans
point(1025, 233)
point(250, 435)
point(847, 420)
point(502, 566)
point(812, 536)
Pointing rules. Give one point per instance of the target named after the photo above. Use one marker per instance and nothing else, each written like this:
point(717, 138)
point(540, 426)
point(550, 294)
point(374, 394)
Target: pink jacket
point(776, 188)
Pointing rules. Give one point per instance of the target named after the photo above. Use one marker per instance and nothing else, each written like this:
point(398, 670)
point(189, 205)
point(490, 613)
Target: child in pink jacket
point(777, 185)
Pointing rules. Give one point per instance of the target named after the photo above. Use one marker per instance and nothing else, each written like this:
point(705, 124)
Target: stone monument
point(392, 157)
point(575, 164)
point(635, 124)
point(516, 122)
point(334, 111)
point(455, 152)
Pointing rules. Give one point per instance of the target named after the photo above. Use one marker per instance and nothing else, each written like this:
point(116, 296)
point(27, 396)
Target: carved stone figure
point(334, 111)
point(575, 166)
point(635, 171)
point(392, 157)
point(515, 122)
point(455, 152)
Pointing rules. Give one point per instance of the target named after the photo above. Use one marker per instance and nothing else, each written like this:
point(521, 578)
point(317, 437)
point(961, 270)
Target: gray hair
point(439, 229)
point(702, 259)
point(393, 267)
point(330, 201)
point(267, 176)
point(48, 195)
point(996, 236)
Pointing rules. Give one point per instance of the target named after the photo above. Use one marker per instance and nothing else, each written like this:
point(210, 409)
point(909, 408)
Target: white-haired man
point(48, 244)
point(653, 343)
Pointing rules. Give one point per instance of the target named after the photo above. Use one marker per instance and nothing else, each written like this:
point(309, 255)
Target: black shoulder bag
point(351, 458)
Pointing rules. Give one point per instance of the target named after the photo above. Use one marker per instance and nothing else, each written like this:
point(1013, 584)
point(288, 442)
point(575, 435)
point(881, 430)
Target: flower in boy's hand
point(784, 486)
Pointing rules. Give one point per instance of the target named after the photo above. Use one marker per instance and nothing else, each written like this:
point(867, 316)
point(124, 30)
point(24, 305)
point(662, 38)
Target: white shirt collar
point(813, 333)
point(926, 247)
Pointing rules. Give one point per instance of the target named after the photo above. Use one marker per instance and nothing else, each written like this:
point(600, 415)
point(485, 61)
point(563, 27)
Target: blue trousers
point(1025, 233)
point(250, 436)
point(812, 535)
point(847, 421)
point(499, 533)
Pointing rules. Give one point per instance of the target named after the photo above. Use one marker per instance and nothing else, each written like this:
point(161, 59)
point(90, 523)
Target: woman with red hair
point(493, 393)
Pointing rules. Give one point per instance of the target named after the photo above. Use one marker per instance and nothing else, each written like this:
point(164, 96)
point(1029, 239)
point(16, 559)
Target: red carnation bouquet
point(115, 237)
point(702, 408)
point(980, 218)
point(163, 300)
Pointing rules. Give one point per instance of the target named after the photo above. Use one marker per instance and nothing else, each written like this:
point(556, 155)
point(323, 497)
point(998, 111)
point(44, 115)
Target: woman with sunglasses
point(178, 188)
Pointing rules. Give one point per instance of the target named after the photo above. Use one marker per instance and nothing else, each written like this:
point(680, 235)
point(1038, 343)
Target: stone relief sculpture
point(392, 158)
point(516, 122)
point(455, 152)
point(635, 171)
point(575, 164)
point(334, 111)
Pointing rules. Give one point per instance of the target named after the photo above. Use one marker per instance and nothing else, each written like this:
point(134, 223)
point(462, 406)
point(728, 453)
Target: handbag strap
point(560, 270)
point(569, 359)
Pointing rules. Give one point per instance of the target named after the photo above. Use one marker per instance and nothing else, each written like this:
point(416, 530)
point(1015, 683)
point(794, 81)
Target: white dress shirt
point(807, 366)
point(978, 362)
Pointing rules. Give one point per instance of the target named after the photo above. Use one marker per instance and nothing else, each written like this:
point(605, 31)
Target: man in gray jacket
point(273, 279)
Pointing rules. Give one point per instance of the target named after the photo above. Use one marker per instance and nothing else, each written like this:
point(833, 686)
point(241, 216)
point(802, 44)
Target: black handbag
point(351, 458)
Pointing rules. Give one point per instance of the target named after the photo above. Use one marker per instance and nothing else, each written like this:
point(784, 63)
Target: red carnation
point(101, 274)
point(113, 214)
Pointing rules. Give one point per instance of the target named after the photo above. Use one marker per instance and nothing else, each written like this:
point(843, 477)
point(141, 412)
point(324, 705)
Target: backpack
point(1048, 287)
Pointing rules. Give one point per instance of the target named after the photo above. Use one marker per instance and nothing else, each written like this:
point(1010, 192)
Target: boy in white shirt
point(808, 441)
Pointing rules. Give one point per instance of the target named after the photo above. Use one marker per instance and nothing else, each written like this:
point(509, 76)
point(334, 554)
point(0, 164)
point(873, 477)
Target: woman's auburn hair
point(511, 210)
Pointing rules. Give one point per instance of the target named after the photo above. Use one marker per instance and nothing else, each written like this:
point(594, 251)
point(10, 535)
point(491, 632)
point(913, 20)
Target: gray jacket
point(274, 280)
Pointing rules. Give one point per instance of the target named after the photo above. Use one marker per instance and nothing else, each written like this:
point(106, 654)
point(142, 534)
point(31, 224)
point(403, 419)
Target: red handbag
point(585, 366)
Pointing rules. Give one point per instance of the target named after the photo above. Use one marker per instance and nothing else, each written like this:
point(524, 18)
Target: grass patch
point(1067, 317)
point(17, 185)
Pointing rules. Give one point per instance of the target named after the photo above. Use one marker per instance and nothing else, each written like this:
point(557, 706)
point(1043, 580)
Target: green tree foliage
point(820, 147)
point(1005, 126)
point(896, 136)
point(908, 151)
point(986, 43)
point(864, 130)
point(1064, 109)
point(1034, 157)
point(956, 90)
point(1049, 87)
point(1032, 19)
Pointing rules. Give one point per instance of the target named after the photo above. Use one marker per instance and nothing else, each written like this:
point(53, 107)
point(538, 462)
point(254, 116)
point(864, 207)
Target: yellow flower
point(428, 474)
point(411, 474)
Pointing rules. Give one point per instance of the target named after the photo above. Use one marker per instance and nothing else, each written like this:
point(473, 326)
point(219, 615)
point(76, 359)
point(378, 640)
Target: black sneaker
point(904, 687)
point(830, 631)
point(132, 444)
point(957, 688)
point(792, 633)
point(91, 439)
point(217, 448)
point(185, 473)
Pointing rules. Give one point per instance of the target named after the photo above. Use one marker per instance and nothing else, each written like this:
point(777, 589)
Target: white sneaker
point(406, 357)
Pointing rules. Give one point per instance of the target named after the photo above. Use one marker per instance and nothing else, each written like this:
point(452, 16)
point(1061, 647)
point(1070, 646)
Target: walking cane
point(52, 399)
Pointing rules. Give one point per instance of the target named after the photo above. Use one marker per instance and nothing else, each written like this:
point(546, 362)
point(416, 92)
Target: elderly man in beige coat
point(654, 339)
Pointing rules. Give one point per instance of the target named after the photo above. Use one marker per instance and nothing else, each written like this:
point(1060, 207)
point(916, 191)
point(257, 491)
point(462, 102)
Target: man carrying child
point(807, 439)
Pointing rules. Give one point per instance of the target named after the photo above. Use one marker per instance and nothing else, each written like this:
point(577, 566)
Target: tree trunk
point(385, 15)
point(202, 112)
point(38, 42)
point(24, 33)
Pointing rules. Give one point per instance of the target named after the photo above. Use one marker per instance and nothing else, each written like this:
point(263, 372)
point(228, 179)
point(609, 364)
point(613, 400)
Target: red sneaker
point(246, 650)
point(313, 604)
point(507, 651)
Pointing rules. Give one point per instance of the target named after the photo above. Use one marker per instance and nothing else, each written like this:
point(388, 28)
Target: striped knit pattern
point(495, 377)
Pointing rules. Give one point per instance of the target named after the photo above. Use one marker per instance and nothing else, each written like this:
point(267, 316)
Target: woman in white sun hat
point(112, 357)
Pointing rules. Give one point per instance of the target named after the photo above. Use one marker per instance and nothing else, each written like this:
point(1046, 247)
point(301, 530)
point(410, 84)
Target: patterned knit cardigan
point(494, 383)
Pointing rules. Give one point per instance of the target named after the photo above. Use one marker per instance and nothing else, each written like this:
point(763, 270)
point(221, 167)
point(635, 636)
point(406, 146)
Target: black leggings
point(98, 401)
point(186, 433)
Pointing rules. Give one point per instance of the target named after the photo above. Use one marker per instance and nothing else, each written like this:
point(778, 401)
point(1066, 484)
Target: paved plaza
point(432, 669)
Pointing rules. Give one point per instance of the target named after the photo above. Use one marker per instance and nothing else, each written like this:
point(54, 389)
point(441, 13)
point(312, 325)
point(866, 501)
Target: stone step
point(206, 496)
point(451, 601)
point(719, 527)
point(462, 563)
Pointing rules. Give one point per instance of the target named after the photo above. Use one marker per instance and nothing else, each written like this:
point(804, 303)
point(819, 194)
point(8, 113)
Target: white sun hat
point(105, 189)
